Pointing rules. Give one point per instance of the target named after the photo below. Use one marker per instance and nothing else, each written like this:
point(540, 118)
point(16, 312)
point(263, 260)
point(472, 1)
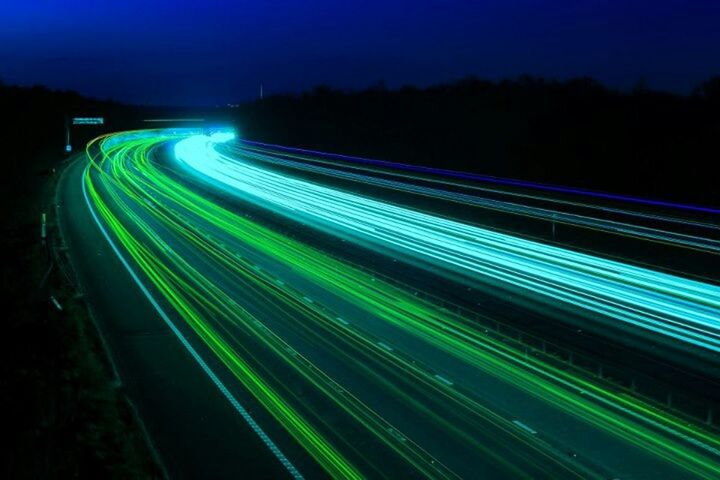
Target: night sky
point(213, 52)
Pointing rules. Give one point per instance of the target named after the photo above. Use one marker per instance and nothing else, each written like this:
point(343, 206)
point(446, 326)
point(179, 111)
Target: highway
point(395, 177)
point(276, 352)
point(686, 310)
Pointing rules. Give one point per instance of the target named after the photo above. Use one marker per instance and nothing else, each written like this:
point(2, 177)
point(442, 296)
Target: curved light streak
point(445, 190)
point(202, 260)
point(672, 306)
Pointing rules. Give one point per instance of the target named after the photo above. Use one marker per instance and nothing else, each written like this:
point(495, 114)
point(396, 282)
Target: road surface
point(248, 349)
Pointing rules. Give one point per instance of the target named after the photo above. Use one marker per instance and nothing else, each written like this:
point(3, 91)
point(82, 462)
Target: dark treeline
point(33, 119)
point(32, 131)
point(32, 127)
point(575, 132)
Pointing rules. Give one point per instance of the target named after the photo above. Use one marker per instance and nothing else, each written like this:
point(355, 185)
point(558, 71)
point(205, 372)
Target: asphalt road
point(196, 431)
point(661, 364)
point(347, 374)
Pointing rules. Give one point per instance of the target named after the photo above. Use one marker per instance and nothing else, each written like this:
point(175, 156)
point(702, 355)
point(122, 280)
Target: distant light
point(221, 137)
point(68, 148)
point(201, 146)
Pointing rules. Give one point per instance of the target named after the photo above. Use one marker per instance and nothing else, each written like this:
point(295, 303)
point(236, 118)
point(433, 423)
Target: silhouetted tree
point(576, 132)
point(709, 89)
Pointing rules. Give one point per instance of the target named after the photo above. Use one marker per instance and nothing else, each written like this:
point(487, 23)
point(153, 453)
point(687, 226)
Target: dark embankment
point(63, 414)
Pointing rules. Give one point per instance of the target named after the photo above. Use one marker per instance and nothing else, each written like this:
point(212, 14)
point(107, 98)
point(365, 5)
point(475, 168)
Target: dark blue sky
point(213, 51)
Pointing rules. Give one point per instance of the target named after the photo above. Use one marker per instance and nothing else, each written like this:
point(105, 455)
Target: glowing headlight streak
point(124, 181)
point(222, 136)
point(376, 178)
point(326, 456)
point(669, 305)
point(491, 179)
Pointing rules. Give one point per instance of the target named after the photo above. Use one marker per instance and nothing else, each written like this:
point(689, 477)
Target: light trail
point(439, 190)
point(240, 409)
point(268, 307)
point(639, 298)
point(495, 180)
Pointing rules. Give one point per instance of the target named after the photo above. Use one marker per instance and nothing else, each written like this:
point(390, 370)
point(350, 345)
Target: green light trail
point(244, 290)
point(633, 297)
point(445, 189)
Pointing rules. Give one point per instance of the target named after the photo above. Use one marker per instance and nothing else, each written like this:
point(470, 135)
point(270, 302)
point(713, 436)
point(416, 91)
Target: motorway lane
point(276, 326)
point(298, 398)
point(622, 295)
point(630, 353)
point(196, 431)
point(626, 222)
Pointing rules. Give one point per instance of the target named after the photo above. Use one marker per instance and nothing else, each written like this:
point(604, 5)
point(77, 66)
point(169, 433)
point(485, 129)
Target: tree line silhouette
point(574, 132)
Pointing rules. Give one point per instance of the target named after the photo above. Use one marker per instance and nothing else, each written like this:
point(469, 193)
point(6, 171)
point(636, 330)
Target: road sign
point(88, 120)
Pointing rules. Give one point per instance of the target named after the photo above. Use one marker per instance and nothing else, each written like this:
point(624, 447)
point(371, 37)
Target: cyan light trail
point(360, 393)
point(374, 176)
point(495, 180)
point(230, 330)
point(679, 308)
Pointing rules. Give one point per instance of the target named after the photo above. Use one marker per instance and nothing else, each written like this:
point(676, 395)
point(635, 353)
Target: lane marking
point(385, 346)
point(524, 427)
point(294, 472)
point(56, 303)
point(444, 380)
point(399, 436)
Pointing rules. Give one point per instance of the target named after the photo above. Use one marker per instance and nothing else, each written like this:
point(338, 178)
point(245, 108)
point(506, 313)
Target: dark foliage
point(575, 132)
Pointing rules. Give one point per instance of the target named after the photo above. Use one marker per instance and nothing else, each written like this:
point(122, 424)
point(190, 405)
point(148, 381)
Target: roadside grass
point(66, 415)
